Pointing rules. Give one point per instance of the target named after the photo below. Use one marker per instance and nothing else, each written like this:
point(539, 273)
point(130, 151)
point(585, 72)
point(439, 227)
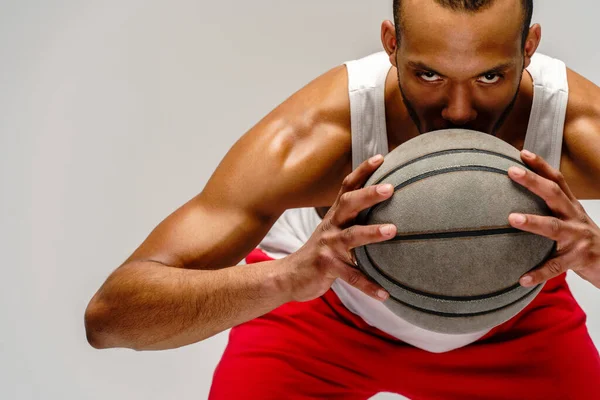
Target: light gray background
point(113, 114)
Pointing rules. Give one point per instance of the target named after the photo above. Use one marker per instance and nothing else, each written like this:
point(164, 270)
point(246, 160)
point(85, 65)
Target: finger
point(356, 278)
point(352, 203)
point(548, 190)
point(550, 269)
point(361, 235)
point(345, 255)
point(357, 178)
point(550, 227)
point(544, 169)
point(352, 258)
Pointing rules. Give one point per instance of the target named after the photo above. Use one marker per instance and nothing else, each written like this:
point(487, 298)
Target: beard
point(508, 109)
point(497, 125)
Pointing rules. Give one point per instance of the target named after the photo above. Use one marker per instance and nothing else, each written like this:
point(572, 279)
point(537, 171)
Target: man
point(447, 63)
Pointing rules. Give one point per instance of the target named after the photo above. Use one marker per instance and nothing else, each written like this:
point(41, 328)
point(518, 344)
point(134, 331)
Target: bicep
point(248, 191)
point(292, 158)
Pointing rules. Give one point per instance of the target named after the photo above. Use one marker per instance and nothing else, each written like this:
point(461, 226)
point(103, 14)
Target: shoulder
point(314, 133)
point(322, 101)
point(581, 143)
point(296, 156)
point(583, 97)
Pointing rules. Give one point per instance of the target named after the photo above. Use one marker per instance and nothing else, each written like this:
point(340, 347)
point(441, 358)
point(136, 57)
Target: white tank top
point(366, 80)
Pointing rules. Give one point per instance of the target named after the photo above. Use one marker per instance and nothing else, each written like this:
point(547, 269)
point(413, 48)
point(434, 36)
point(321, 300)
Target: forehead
point(437, 34)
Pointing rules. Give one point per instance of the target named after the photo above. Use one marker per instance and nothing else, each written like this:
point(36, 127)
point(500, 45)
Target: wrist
point(278, 280)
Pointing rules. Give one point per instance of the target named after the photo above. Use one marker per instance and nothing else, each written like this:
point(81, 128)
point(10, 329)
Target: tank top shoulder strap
point(366, 88)
point(547, 120)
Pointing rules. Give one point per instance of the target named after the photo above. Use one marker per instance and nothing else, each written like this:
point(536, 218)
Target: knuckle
point(326, 225)
point(323, 241)
point(584, 252)
point(554, 267)
point(348, 235)
point(345, 199)
point(555, 225)
point(581, 214)
point(555, 189)
point(354, 278)
point(581, 249)
point(588, 235)
point(324, 259)
point(346, 183)
point(326, 239)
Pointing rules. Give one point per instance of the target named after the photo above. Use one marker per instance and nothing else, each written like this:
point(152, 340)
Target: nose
point(459, 109)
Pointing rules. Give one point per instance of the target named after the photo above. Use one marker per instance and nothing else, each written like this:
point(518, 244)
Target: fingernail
point(526, 280)
point(386, 230)
point(376, 159)
point(528, 154)
point(385, 189)
point(382, 294)
point(517, 171)
point(518, 219)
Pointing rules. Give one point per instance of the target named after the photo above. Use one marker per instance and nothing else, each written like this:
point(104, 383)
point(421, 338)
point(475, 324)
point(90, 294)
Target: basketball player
point(306, 324)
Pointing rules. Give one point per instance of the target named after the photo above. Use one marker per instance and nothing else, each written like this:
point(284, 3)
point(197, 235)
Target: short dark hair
point(469, 6)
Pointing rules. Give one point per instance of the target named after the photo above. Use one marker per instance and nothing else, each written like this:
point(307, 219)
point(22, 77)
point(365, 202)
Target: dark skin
point(439, 82)
point(582, 123)
point(182, 285)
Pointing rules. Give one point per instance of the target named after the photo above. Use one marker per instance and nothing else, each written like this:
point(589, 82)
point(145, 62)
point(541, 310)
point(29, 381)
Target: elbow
point(94, 339)
point(101, 327)
point(101, 318)
point(97, 328)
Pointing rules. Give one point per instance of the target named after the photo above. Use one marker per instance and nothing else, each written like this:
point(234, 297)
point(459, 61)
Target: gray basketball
point(455, 264)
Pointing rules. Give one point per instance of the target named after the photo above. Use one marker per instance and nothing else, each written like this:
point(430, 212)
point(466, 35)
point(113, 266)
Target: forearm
point(148, 306)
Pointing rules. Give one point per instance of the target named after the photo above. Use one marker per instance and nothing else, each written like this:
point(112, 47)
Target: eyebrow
point(421, 65)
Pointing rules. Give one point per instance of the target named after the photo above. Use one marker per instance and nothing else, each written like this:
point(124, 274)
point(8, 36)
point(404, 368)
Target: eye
point(428, 76)
point(490, 78)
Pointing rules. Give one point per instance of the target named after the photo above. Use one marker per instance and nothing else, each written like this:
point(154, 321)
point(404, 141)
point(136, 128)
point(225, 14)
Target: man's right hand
point(328, 254)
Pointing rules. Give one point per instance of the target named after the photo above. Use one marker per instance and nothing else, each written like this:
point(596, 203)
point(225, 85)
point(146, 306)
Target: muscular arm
point(181, 285)
point(581, 166)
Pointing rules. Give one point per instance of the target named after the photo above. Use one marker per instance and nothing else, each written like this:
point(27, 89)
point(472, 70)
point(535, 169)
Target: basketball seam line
point(365, 214)
point(449, 315)
point(445, 152)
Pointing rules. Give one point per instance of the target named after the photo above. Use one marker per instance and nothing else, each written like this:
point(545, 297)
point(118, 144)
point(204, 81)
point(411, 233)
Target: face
point(459, 69)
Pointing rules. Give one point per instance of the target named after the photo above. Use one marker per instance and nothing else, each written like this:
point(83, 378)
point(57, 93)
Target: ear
point(388, 40)
point(533, 41)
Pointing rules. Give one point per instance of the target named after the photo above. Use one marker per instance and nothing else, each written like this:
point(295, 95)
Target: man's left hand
point(576, 235)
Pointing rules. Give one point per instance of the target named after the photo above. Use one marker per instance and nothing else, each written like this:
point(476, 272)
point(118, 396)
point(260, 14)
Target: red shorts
point(319, 349)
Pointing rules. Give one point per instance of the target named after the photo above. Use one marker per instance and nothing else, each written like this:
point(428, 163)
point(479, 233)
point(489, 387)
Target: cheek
point(493, 101)
point(424, 98)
